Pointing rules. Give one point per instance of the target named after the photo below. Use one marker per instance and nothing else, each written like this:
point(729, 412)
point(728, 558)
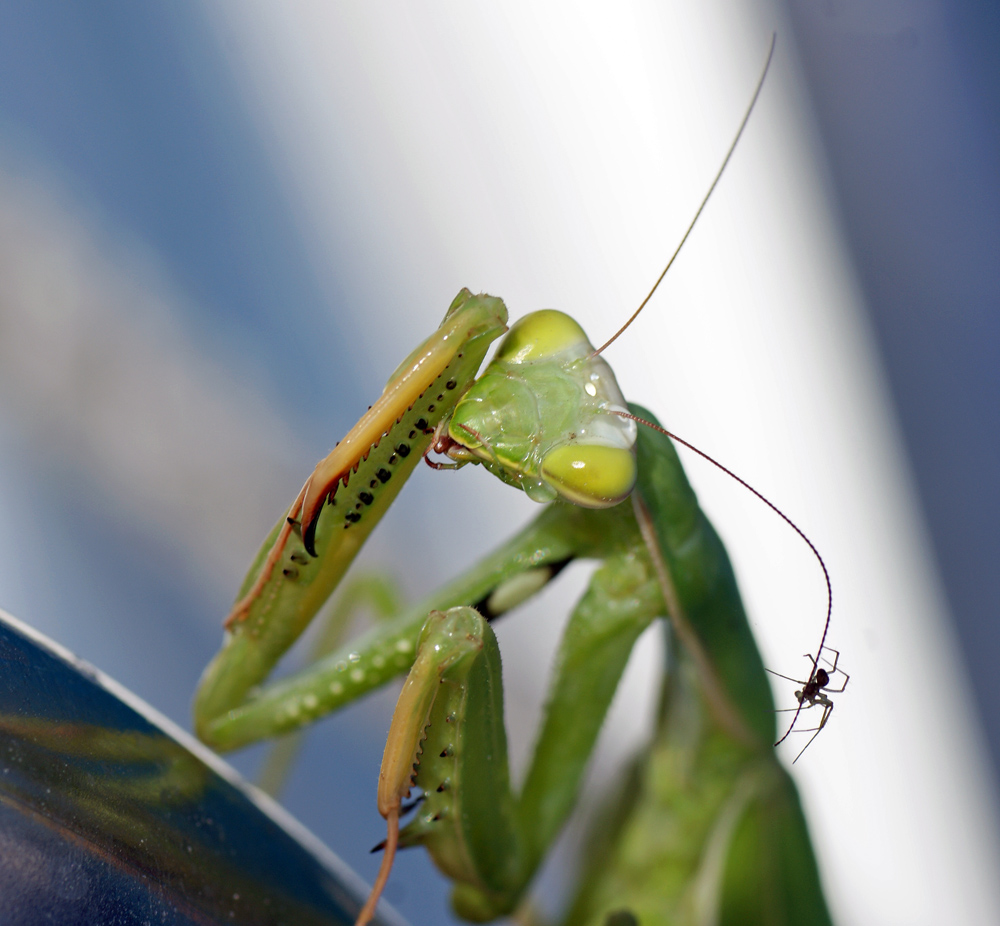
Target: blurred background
point(223, 224)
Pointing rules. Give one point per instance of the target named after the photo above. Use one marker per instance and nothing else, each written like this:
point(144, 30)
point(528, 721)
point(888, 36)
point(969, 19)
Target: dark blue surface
point(106, 819)
point(66, 885)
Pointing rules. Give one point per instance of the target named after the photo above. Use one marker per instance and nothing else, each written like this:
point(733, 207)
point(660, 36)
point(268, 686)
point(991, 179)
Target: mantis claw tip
point(309, 537)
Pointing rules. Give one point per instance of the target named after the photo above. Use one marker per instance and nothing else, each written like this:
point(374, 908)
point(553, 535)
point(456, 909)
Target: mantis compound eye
point(591, 475)
point(541, 335)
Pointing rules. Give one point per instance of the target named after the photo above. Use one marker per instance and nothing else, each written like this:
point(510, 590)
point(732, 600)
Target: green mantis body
point(708, 828)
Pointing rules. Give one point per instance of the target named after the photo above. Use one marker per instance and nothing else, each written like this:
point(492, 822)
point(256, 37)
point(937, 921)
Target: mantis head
point(543, 416)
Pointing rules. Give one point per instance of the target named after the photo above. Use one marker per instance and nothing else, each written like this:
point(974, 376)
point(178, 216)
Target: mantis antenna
point(798, 530)
point(704, 202)
point(701, 453)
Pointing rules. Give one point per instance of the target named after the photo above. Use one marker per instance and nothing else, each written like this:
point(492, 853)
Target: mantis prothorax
point(546, 416)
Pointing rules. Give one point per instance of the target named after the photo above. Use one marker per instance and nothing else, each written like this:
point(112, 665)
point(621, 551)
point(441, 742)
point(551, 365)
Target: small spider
point(813, 693)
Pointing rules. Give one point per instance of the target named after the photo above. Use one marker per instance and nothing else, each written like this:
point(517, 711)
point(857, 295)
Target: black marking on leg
point(366, 497)
point(383, 475)
point(421, 424)
point(404, 809)
point(309, 537)
point(559, 566)
point(353, 517)
point(299, 558)
point(403, 450)
point(290, 572)
point(489, 615)
point(451, 384)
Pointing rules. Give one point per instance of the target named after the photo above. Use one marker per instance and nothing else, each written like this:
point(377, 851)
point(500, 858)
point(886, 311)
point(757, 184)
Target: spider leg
point(827, 711)
point(822, 658)
point(836, 657)
point(791, 726)
point(787, 678)
point(847, 678)
point(833, 668)
point(802, 707)
point(807, 745)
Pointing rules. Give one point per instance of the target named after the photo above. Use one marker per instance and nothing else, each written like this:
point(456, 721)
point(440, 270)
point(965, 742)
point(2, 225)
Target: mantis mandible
point(545, 416)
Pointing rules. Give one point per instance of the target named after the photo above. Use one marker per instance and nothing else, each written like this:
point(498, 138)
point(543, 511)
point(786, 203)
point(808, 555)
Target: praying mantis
point(707, 826)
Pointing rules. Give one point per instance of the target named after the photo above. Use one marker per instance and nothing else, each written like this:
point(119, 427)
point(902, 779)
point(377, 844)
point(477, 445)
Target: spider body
point(814, 692)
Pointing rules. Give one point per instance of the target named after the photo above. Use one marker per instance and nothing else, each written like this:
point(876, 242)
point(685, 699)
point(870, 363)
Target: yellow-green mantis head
point(543, 416)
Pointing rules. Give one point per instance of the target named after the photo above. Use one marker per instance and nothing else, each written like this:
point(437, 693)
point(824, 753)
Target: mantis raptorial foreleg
point(311, 547)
